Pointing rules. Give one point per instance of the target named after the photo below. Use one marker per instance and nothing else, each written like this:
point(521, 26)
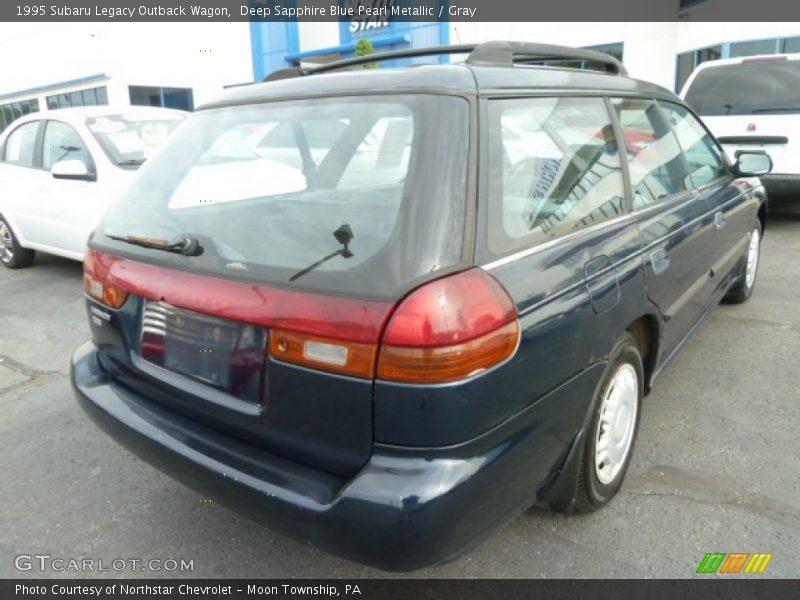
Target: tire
point(745, 282)
point(12, 255)
point(600, 475)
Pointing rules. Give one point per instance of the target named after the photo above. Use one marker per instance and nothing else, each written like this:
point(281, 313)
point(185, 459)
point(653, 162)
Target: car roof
point(90, 112)
point(742, 59)
point(77, 115)
point(459, 79)
point(725, 62)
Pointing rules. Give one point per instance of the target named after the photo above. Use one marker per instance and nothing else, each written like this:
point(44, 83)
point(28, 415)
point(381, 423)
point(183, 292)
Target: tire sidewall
point(22, 257)
point(14, 244)
point(748, 291)
point(597, 492)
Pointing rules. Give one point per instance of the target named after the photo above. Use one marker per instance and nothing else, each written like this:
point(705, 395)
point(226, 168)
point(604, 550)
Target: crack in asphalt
point(24, 369)
point(32, 374)
point(733, 317)
point(717, 492)
point(752, 507)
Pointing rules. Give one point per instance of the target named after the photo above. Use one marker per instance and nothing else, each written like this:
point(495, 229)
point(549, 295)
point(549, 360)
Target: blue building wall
point(270, 44)
point(277, 45)
point(418, 35)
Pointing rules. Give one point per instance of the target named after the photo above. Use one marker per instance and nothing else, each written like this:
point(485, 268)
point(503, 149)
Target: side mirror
point(73, 168)
point(752, 163)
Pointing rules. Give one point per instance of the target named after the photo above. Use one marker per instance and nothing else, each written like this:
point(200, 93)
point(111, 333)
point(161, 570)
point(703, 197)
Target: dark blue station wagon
point(386, 311)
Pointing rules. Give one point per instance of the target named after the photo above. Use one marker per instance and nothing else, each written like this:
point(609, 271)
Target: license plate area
point(226, 355)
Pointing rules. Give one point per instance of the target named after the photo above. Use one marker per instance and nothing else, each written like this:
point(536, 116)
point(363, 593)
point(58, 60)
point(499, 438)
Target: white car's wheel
point(12, 255)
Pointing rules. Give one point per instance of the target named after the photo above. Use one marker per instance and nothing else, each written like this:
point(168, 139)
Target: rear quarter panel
point(562, 335)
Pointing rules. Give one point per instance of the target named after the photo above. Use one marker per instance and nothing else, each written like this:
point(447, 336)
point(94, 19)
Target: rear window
point(268, 189)
point(764, 86)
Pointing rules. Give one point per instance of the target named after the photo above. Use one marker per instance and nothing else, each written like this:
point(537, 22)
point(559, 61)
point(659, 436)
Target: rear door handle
point(660, 261)
point(720, 220)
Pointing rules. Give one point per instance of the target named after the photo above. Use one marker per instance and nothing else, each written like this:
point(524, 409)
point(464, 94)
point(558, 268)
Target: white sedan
point(59, 171)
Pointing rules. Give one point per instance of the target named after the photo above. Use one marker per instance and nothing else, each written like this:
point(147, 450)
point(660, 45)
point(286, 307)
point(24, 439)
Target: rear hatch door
point(309, 219)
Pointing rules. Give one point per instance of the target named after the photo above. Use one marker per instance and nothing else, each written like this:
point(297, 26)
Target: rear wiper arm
point(344, 235)
point(187, 246)
point(132, 162)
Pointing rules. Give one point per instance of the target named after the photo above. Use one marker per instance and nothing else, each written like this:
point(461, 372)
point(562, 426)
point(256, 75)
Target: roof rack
point(511, 53)
point(494, 54)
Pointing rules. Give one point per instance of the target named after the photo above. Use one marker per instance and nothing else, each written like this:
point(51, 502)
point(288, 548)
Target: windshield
point(761, 86)
point(129, 140)
point(368, 191)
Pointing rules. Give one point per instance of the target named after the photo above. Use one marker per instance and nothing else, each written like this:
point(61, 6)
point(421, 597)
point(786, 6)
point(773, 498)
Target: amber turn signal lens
point(337, 356)
point(102, 292)
point(448, 363)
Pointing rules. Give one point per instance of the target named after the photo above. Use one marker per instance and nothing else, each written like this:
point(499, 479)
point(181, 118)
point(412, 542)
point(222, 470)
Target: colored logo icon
point(734, 562)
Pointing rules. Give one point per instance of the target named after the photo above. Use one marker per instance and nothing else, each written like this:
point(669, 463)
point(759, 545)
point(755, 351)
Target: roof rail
point(496, 54)
point(370, 58)
point(510, 53)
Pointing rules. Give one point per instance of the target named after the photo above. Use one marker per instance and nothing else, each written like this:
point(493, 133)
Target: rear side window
point(704, 157)
point(21, 145)
point(555, 169)
point(749, 88)
point(62, 142)
point(656, 164)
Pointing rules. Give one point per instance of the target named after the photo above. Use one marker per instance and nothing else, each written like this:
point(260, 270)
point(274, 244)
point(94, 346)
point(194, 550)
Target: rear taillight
point(97, 282)
point(446, 330)
point(449, 329)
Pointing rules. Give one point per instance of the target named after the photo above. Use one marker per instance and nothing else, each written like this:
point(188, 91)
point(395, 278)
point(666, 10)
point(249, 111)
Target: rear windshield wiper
point(344, 235)
point(133, 162)
point(188, 246)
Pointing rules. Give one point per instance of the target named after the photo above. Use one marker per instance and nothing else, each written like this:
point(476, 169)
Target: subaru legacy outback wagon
point(386, 311)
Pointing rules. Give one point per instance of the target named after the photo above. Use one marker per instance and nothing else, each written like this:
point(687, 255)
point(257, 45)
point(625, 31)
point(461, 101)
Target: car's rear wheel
point(612, 426)
point(748, 270)
point(12, 255)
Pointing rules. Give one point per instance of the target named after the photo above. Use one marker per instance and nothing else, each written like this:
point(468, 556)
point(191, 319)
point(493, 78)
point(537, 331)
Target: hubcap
point(617, 423)
point(752, 258)
point(6, 244)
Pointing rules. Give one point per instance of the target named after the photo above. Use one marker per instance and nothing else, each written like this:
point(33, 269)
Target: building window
point(752, 48)
point(614, 50)
point(689, 60)
point(14, 110)
point(789, 45)
point(91, 97)
point(168, 97)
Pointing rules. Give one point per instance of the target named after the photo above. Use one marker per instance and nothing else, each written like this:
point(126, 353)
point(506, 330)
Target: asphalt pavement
point(715, 466)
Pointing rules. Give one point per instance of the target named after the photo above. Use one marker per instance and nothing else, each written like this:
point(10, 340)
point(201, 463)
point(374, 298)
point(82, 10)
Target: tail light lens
point(97, 283)
point(449, 329)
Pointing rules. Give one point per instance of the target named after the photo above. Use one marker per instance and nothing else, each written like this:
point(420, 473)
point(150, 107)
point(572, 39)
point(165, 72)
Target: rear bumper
point(406, 508)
